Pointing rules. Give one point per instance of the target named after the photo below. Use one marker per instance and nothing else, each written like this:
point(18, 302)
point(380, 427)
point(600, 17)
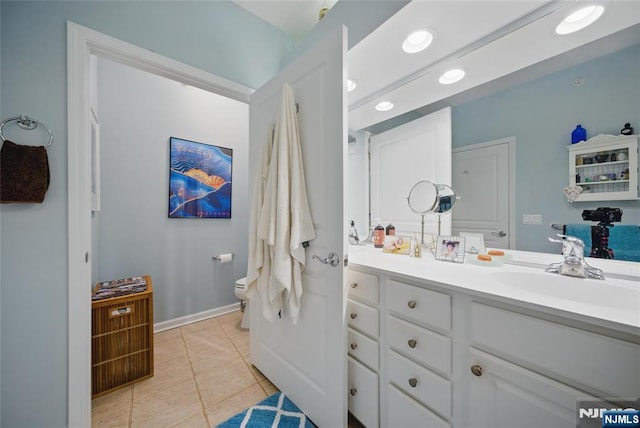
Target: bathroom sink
point(580, 290)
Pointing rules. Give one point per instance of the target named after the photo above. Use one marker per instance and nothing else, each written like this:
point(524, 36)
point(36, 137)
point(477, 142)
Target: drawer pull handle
point(412, 304)
point(412, 343)
point(353, 392)
point(354, 315)
point(354, 284)
point(476, 370)
point(413, 382)
point(354, 346)
point(118, 312)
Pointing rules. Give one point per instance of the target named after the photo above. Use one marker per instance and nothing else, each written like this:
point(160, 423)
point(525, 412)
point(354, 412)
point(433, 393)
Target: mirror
point(481, 115)
point(423, 199)
point(426, 197)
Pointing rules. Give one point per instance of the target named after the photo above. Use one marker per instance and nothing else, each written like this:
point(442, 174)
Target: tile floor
point(202, 376)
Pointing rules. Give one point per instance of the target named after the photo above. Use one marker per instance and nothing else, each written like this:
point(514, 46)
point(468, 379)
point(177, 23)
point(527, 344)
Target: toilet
point(244, 304)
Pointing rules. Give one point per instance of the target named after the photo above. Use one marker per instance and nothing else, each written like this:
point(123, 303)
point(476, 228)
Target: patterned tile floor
point(202, 376)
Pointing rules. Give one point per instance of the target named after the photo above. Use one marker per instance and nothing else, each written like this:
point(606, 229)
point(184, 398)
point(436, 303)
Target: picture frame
point(473, 242)
point(450, 249)
point(397, 244)
point(199, 180)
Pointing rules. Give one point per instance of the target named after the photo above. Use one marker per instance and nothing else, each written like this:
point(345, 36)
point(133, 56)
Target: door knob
point(412, 343)
point(353, 392)
point(412, 304)
point(332, 259)
point(413, 382)
point(500, 234)
point(476, 370)
point(354, 346)
point(354, 315)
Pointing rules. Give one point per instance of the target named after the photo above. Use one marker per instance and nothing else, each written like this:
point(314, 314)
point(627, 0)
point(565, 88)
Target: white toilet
point(244, 303)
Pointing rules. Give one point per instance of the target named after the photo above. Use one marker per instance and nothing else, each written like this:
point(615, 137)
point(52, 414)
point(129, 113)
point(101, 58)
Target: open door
point(307, 361)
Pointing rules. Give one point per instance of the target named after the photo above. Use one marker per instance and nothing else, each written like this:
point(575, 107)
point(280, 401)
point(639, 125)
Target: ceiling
point(294, 17)
point(513, 40)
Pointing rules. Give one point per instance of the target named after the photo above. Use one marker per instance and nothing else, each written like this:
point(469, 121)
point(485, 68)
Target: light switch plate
point(531, 218)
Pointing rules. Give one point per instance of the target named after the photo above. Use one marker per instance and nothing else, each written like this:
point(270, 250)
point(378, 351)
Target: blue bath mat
point(276, 411)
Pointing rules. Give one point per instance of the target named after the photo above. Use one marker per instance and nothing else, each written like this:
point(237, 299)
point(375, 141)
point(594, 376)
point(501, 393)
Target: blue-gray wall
point(134, 235)
point(541, 115)
point(218, 37)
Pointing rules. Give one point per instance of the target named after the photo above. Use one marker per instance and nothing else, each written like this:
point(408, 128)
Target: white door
point(418, 150)
point(307, 361)
point(483, 178)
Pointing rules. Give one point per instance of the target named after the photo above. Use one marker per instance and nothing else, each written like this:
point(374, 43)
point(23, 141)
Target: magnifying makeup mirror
point(422, 199)
point(446, 201)
point(426, 197)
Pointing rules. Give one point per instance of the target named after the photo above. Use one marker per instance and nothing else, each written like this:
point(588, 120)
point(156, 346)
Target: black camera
point(603, 215)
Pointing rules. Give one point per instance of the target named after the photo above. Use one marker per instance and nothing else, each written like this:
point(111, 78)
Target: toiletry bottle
point(417, 251)
point(353, 234)
point(378, 236)
point(578, 134)
point(390, 230)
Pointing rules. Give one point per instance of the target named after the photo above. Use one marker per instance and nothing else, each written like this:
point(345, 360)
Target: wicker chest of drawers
point(121, 339)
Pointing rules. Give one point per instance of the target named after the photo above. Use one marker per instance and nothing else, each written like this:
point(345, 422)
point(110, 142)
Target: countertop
point(611, 303)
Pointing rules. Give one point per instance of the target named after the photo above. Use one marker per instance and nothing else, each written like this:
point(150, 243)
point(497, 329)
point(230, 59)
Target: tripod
point(600, 241)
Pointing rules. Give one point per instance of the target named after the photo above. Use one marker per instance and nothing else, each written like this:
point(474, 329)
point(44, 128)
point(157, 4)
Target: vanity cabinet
point(363, 318)
point(606, 170)
point(447, 358)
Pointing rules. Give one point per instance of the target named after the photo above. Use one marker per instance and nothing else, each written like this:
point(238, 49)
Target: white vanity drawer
point(363, 393)
point(425, 386)
point(363, 348)
point(363, 286)
point(428, 348)
point(405, 412)
point(597, 361)
point(363, 317)
point(418, 304)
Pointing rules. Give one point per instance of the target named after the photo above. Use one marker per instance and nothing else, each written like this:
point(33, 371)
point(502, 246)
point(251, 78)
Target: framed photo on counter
point(450, 249)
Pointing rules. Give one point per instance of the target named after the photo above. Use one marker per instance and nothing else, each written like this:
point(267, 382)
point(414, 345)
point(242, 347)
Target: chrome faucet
point(574, 263)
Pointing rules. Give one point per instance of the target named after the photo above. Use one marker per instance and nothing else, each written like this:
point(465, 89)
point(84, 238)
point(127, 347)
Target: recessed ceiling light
point(384, 106)
point(417, 41)
point(451, 76)
point(580, 19)
point(351, 85)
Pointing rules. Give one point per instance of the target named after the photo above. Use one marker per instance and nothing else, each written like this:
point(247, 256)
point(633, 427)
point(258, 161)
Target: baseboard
point(200, 316)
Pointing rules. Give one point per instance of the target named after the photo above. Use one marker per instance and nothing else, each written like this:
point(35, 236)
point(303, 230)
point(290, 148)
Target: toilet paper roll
point(225, 258)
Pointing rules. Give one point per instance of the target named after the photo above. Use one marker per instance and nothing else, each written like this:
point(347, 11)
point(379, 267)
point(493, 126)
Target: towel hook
point(27, 123)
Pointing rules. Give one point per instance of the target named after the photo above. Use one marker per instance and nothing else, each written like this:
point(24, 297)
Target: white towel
point(259, 259)
point(285, 221)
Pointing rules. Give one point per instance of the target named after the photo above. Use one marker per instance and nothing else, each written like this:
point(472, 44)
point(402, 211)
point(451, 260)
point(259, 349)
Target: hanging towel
point(285, 220)
point(259, 260)
point(24, 173)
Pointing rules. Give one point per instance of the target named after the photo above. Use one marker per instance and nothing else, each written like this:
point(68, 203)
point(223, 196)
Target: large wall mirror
point(531, 112)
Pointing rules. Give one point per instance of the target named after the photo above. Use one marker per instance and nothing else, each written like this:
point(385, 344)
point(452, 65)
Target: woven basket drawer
point(120, 315)
point(112, 345)
point(121, 371)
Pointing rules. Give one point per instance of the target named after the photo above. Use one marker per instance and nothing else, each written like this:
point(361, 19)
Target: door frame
point(83, 42)
point(511, 145)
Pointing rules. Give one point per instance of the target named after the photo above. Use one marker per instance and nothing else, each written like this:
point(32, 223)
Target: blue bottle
point(578, 134)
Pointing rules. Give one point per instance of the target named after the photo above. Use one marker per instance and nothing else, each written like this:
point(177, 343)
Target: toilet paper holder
point(224, 257)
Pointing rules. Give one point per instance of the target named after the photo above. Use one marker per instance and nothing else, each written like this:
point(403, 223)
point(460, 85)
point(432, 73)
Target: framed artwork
point(199, 180)
point(450, 249)
point(473, 242)
point(396, 244)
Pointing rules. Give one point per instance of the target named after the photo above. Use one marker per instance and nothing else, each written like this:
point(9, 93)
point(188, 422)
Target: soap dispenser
point(378, 236)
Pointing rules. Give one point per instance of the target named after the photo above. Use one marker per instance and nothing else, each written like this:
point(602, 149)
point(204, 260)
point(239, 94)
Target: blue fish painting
point(200, 180)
